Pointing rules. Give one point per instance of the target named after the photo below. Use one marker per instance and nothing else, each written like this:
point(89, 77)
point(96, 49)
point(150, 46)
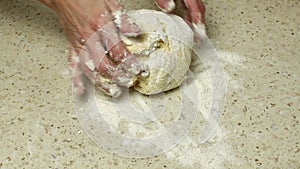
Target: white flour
point(189, 153)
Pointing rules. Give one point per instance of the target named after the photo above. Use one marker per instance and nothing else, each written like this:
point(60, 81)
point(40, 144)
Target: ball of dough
point(165, 46)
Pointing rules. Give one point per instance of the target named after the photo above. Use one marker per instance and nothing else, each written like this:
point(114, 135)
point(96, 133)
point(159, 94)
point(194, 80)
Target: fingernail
point(126, 81)
point(134, 28)
point(131, 34)
point(123, 79)
point(170, 6)
point(134, 31)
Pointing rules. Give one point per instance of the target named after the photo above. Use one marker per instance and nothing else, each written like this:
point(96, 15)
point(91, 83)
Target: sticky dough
point(165, 46)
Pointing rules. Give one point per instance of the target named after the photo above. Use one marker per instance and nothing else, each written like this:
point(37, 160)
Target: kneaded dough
point(165, 46)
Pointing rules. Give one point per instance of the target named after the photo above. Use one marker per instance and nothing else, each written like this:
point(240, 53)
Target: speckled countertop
point(258, 42)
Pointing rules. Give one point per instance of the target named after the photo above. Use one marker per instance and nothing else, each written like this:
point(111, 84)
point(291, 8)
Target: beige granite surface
point(259, 45)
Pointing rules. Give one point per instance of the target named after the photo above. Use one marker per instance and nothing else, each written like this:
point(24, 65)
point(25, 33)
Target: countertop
point(257, 41)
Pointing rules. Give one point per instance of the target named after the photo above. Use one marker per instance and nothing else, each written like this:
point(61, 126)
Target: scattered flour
point(188, 153)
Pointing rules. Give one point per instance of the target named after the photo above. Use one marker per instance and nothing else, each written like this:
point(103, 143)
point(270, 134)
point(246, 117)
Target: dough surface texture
point(165, 46)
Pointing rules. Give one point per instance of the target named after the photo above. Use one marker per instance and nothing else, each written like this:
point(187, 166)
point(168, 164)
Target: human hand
point(92, 27)
point(194, 13)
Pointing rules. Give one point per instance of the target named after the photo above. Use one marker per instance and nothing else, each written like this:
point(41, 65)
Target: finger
point(196, 9)
point(105, 66)
point(118, 51)
point(187, 16)
point(75, 72)
point(97, 54)
point(195, 16)
point(166, 5)
point(107, 87)
point(116, 75)
point(122, 20)
point(102, 83)
point(87, 66)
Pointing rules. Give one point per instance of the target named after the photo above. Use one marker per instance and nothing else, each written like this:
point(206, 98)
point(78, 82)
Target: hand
point(96, 50)
point(194, 12)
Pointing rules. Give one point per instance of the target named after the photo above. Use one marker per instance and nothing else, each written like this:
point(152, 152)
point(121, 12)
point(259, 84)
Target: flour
point(90, 65)
point(118, 19)
point(217, 151)
point(189, 153)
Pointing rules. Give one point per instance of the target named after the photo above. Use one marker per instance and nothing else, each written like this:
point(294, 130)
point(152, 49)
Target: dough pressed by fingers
point(165, 46)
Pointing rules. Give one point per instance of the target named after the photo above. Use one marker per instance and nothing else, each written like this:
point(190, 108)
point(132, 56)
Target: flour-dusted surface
point(167, 42)
point(259, 127)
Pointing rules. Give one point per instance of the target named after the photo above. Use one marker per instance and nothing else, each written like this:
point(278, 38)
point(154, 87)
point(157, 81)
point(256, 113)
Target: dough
point(165, 46)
